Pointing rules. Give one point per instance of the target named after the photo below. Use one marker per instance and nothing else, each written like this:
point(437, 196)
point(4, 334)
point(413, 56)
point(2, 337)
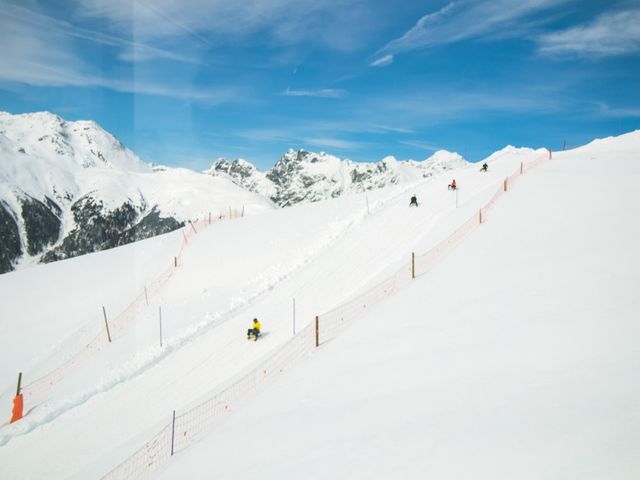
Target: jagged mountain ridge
point(70, 188)
point(300, 176)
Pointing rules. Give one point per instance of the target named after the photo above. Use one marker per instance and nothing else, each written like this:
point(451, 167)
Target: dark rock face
point(150, 225)
point(41, 222)
point(10, 246)
point(99, 229)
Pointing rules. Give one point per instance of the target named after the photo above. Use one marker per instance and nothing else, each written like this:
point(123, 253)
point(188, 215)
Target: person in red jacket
point(452, 185)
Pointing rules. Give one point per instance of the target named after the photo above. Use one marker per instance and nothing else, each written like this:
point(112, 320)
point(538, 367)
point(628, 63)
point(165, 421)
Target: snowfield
point(516, 356)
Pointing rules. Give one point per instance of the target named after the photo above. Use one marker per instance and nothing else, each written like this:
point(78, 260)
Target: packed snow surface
point(515, 357)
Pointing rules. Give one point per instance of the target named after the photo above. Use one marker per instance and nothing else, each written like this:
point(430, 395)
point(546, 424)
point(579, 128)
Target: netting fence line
point(39, 389)
point(193, 424)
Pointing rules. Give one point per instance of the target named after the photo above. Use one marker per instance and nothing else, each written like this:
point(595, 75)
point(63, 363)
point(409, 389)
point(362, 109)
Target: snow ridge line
point(153, 355)
point(191, 425)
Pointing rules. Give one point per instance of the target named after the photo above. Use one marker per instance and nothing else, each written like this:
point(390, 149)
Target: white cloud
point(605, 110)
point(26, 40)
point(322, 93)
point(465, 19)
point(615, 33)
point(332, 143)
point(339, 24)
point(420, 145)
point(382, 61)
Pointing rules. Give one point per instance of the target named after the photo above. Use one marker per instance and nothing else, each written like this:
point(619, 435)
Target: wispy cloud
point(613, 33)
point(338, 24)
point(462, 20)
point(322, 93)
point(420, 145)
point(332, 143)
point(382, 61)
point(605, 110)
point(26, 38)
point(129, 50)
point(389, 129)
point(447, 104)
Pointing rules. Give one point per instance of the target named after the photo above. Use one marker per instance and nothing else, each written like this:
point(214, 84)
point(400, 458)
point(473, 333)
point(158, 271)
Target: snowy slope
point(516, 357)
point(320, 254)
point(68, 188)
point(307, 176)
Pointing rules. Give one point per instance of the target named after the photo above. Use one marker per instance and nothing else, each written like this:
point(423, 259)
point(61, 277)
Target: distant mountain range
point(307, 176)
point(70, 188)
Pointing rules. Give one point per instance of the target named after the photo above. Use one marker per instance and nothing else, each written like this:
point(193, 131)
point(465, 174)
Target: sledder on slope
point(254, 332)
point(414, 201)
point(452, 185)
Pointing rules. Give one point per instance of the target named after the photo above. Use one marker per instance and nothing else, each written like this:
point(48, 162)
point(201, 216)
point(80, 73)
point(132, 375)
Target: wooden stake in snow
point(413, 265)
point(19, 384)
point(106, 324)
point(317, 332)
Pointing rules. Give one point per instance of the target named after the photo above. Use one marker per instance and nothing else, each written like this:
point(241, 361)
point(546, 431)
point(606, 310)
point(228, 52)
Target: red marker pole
point(18, 402)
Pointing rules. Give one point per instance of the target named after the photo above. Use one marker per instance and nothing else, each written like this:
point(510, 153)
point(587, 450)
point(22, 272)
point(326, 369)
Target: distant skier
point(453, 185)
point(414, 201)
point(484, 168)
point(254, 331)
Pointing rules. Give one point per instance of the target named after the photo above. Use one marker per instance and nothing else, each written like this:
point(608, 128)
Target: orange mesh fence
point(40, 388)
point(193, 424)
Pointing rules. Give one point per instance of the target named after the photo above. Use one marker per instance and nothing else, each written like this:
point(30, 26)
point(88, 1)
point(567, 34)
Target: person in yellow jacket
point(254, 331)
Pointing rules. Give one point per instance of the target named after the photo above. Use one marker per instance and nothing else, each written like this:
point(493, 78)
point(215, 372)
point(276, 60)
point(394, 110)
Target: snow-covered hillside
point(68, 188)
point(306, 176)
point(515, 354)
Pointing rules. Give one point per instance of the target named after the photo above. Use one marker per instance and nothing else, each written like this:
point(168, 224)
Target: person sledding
point(484, 167)
point(254, 332)
point(414, 201)
point(452, 185)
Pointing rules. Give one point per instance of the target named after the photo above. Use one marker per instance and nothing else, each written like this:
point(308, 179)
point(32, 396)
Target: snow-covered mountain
point(69, 188)
point(306, 176)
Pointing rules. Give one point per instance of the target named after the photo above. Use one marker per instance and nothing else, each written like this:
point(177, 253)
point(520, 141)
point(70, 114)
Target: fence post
point(550, 154)
point(175, 262)
point(521, 167)
point(317, 332)
point(106, 324)
point(242, 214)
point(146, 297)
point(506, 182)
point(173, 432)
point(480, 215)
point(413, 265)
point(209, 218)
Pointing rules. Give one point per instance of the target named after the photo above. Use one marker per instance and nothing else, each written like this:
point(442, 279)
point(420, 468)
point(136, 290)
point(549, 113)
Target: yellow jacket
point(256, 325)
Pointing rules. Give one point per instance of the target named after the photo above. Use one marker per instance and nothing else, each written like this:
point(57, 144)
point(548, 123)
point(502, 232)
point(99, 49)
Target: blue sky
point(183, 83)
